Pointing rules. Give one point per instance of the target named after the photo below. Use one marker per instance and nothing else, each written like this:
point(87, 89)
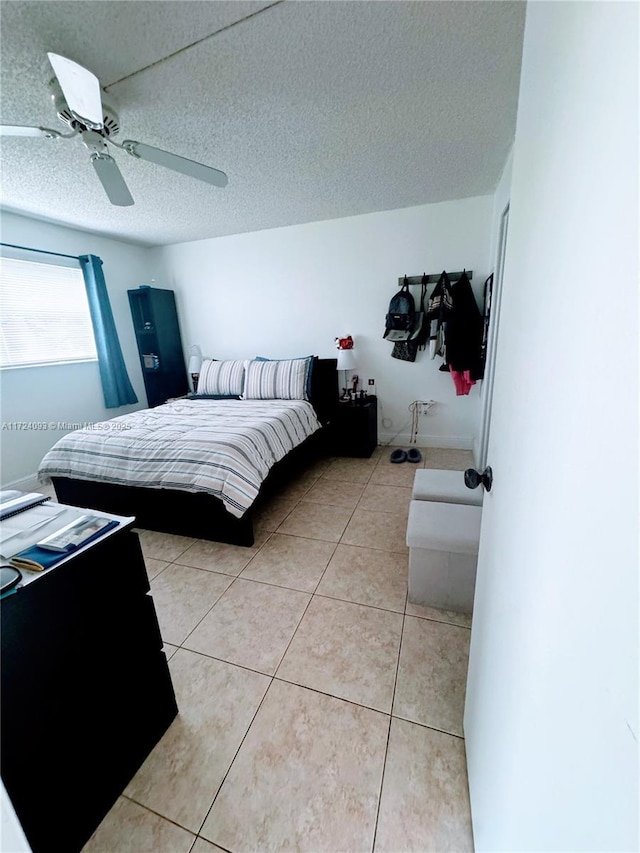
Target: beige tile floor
point(319, 711)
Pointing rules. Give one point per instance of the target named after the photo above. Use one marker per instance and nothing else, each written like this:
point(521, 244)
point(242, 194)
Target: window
point(44, 315)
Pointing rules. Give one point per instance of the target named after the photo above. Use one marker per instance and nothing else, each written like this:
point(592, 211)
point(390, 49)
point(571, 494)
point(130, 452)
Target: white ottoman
point(443, 554)
point(448, 487)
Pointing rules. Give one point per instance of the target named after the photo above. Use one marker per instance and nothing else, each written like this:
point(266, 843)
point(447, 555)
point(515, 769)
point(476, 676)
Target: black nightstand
point(355, 428)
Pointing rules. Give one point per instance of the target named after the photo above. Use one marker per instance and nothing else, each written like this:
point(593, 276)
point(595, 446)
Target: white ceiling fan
point(81, 105)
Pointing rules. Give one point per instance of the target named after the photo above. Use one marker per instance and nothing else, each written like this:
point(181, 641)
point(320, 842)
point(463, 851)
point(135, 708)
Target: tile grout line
point(251, 580)
point(296, 684)
point(386, 751)
point(439, 621)
point(321, 692)
point(226, 849)
point(311, 596)
point(158, 814)
point(427, 726)
point(333, 696)
point(222, 574)
point(235, 755)
point(280, 586)
point(359, 603)
point(261, 702)
point(228, 662)
point(209, 610)
point(175, 561)
point(233, 663)
point(294, 501)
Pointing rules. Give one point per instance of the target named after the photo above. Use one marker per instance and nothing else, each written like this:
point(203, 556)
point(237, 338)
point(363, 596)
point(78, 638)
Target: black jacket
point(464, 330)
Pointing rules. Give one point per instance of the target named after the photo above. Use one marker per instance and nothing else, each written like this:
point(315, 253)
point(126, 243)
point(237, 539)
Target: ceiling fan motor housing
point(111, 121)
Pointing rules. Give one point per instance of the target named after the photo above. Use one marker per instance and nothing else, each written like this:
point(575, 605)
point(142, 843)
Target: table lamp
point(346, 362)
point(195, 363)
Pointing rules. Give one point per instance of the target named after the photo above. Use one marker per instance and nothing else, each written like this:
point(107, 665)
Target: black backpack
point(402, 312)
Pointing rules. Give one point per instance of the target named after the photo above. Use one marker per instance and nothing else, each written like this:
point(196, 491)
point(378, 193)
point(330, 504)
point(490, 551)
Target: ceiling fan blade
point(20, 130)
point(112, 181)
point(178, 164)
point(81, 90)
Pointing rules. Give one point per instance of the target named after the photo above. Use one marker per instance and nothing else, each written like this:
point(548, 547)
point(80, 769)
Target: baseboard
point(25, 484)
point(456, 442)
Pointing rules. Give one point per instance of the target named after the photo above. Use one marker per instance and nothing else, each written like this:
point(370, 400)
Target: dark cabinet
point(155, 321)
point(355, 427)
point(85, 690)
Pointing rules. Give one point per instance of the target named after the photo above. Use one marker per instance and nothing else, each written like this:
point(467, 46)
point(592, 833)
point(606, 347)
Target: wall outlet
point(371, 386)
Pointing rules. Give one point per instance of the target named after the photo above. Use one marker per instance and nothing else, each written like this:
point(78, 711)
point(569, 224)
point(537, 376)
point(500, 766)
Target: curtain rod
point(40, 251)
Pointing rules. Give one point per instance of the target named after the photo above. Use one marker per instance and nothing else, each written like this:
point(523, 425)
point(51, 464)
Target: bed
point(204, 486)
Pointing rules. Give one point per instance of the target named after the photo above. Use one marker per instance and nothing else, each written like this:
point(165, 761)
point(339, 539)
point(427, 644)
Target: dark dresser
point(86, 691)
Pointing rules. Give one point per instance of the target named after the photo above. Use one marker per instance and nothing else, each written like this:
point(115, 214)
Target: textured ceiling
point(315, 110)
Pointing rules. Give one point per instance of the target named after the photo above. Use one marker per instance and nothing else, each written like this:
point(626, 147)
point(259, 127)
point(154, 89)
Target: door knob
point(473, 478)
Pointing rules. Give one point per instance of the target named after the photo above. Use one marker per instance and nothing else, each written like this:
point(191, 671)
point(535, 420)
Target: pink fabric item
point(463, 381)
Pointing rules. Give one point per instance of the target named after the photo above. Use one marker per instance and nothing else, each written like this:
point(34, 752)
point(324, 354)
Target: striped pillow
point(277, 380)
point(221, 377)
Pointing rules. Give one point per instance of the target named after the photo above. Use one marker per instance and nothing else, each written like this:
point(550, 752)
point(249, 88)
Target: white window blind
point(44, 314)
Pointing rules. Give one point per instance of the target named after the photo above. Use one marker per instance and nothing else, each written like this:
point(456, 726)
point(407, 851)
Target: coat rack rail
point(433, 279)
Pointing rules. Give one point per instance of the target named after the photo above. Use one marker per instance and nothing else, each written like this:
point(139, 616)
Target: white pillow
point(221, 377)
point(277, 380)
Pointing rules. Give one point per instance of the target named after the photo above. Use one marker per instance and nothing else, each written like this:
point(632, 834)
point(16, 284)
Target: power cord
point(417, 407)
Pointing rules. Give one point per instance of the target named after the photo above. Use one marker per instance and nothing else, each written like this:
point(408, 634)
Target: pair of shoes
point(411, 455)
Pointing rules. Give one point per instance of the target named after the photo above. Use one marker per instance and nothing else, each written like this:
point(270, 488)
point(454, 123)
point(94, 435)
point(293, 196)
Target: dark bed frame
point(197, 514)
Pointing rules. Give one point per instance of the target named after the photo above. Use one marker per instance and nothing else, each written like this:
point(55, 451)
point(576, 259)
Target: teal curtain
point(116, 385)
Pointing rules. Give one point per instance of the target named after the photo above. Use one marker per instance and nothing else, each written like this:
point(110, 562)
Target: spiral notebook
point(13, 502)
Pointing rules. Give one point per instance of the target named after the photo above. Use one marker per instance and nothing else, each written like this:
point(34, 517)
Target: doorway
point(494, 296)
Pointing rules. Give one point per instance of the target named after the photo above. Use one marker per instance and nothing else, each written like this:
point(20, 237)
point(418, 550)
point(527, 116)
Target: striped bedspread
point(222, 447)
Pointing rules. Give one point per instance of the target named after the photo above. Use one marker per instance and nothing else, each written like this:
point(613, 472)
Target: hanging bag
point(408, 350)
point(401, 316)
point(405, 350)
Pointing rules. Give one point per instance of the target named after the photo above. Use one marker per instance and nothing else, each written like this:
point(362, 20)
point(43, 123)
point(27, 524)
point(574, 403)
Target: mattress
point(224, 448)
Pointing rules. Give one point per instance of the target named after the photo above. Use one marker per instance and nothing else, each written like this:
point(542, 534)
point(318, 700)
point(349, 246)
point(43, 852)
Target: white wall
point(69, 393)
point(292, 290)
point(551, 718)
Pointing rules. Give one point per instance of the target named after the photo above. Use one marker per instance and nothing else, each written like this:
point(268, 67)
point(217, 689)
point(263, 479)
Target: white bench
point(431, 484)
point(443, 554)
